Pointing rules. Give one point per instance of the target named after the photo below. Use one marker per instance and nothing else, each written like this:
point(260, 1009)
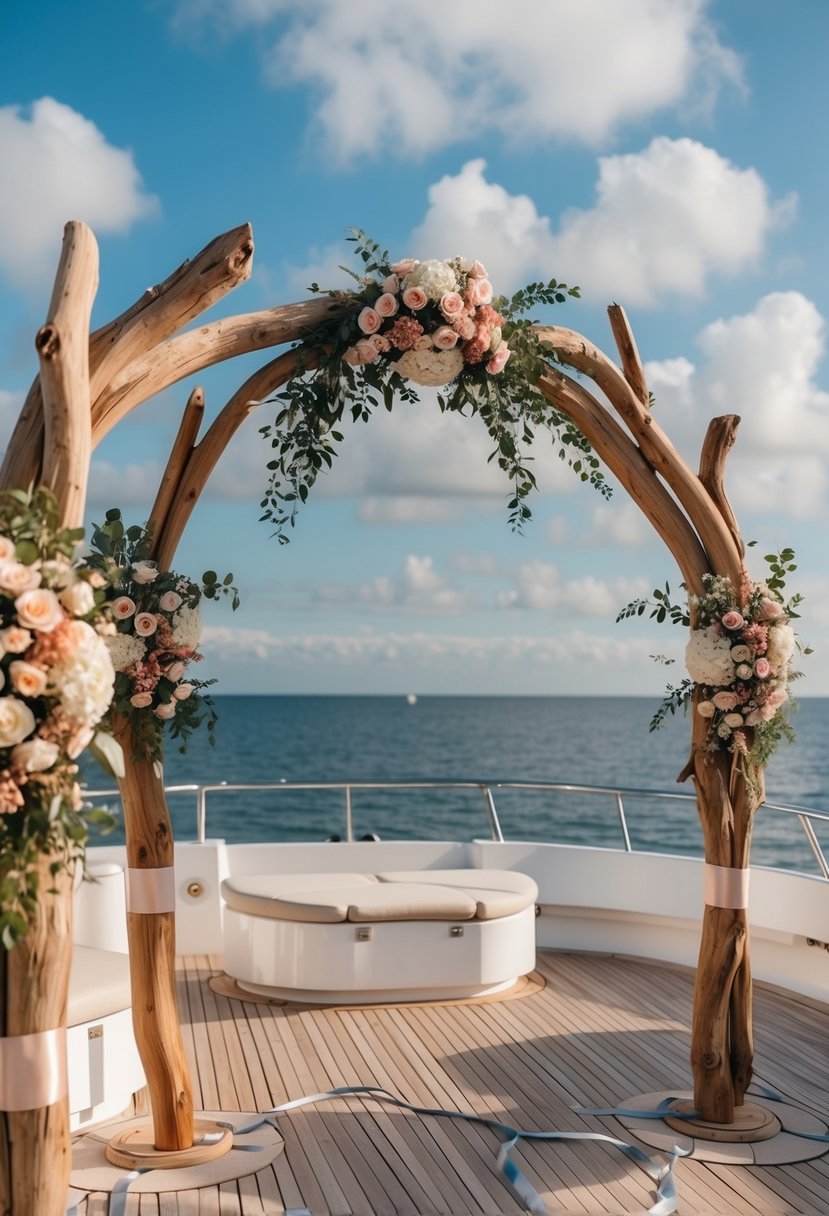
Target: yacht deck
point(601, 1030)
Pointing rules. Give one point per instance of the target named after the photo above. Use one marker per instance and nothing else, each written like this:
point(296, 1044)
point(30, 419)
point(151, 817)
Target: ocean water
point(601, 741)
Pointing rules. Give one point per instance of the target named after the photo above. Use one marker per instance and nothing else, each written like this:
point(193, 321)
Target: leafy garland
point(56, 681)
point(154, 629)
point(352, 362)
point(739, 658)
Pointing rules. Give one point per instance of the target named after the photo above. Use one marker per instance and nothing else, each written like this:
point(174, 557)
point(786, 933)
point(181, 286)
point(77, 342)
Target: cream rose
point(16, 577)
point(169, 601)
point(144, 572)
point(166, 711)
point(15, 640)
point(17, 721)
point(39, 609)
point(145, 624)
point(706, 709)
point(35, 755)
point(78, 598)
point(26, 679)
point(7, 549)
point(183, 692)
point(122, 608)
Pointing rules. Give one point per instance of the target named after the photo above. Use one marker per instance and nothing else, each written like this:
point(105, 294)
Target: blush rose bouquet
point(434, 323)
point(152, 635)
point(56, 685)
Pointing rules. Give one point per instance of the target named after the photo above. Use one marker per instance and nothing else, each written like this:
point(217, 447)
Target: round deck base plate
point(751, 1122)
point(133, 1149)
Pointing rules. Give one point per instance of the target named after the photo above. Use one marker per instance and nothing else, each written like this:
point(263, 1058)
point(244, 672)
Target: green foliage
point(674, 699)
point(662, 608)
point(324, 391)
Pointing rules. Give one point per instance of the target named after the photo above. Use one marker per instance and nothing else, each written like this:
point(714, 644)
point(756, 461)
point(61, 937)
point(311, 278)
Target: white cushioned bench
point(396, 935)
point(104, 1069)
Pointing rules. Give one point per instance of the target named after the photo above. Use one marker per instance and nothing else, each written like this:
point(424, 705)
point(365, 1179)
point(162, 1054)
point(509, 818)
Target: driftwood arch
point(90, 382)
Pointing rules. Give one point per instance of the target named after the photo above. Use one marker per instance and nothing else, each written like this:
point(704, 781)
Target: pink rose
point(166, 711)
point(498, 361)
point(141, 699)
point(7, 549)
point(770, 609)
point(762, 669)
point(391, 284)
point(175, 671)
point(351, 357)
point(366, 351)
point(385, 305)
point(369, 321)
point(169, 601)
point(182, 692)
point(123, 607)
point(39, 609)
point(26, 679)
point(725, 700)
point(481, 291)
point(380, 343)
point(145, 624)
point(732, 620)
point(404, 267)
point(744, 671)
point(478, 271)
point(415, 298)
point(464, 325)
point(451, 304)
point(445, 338)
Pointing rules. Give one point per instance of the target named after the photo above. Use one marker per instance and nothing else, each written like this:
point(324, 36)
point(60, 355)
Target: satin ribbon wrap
point(725, 887)
point(151, 890)
point(33, 1069)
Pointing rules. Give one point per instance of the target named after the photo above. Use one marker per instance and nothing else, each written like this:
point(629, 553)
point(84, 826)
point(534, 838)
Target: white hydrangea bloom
point(124, 649)
point(708, 657)
point(187, 627)
point(85, 680)
point(434, 277)
point(781, 646)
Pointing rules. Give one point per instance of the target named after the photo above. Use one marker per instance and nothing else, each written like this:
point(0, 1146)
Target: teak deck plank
point(603, 1029)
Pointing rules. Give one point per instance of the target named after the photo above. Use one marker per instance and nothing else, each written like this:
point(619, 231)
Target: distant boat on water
point(411, 698)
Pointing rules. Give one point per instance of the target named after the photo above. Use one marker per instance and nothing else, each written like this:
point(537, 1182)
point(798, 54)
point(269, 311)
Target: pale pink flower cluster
point(56, 676)
point(435, 307)
point(739, 659)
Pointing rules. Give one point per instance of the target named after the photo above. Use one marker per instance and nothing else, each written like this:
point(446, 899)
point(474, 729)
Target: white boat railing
point(806, 816)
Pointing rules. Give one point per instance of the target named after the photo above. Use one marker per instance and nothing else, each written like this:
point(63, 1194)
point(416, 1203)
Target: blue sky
point(663, 154)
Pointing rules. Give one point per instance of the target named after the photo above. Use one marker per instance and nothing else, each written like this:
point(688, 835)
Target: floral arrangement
point(739, 659)
point(432, 323)
point(739, 656)
point(154, 626)
point(56, 684)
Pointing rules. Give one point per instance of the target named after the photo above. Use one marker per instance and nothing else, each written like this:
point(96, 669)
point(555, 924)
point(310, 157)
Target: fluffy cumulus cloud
point(63, 169)
point(664, 221)
point(416, 76)
point(762, 366)
point(418, 588)
point(540, 586)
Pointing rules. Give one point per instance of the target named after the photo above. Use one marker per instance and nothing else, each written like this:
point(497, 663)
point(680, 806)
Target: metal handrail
point(805, 815)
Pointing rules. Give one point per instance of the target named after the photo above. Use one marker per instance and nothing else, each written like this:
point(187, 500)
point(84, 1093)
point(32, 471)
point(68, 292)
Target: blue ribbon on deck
point(764, 1091)
point(661, 1174)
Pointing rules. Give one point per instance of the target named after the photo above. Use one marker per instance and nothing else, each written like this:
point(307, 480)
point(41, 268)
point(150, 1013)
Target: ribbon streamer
point(33, 1069)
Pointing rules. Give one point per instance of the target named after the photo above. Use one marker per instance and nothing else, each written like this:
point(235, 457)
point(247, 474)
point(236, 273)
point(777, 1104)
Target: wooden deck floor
point(603, 1029)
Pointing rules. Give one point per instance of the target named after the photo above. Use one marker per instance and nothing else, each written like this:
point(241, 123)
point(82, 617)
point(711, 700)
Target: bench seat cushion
point(99, 984)
point(496, 893)
point(393, 896)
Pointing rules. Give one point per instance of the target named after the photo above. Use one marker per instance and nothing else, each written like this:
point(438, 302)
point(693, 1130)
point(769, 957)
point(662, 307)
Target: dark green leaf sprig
point(327, 385)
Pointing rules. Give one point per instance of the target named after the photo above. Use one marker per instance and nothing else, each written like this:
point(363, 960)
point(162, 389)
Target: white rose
point(35, 755)
point(16, 721)
point(78, 598)
point(708, 657)
point(16, 577)
point(144, 572)
point(733, 720)
point(706, 709)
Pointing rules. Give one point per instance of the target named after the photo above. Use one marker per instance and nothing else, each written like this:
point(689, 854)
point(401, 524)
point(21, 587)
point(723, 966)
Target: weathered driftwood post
point(35, 1151)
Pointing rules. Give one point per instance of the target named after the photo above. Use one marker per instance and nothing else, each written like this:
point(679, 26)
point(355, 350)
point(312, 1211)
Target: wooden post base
point(133, 1147)
point(751, 1123)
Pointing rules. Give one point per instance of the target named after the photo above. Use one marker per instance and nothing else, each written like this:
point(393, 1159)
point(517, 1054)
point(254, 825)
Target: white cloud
point(130, 485)
point(418, 588)
point(761, 366)
point(619, 523)
point(63, 169)
point(419, 75)
point(407, 509)
point(541, 587)
point(664, 221)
